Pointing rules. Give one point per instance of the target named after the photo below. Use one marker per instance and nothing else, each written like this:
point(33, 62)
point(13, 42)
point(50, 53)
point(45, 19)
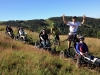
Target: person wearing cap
point(74, 24)
point(55, 32)
point(82, 50)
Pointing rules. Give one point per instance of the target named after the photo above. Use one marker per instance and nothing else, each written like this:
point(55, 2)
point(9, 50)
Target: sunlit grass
point(17, 58)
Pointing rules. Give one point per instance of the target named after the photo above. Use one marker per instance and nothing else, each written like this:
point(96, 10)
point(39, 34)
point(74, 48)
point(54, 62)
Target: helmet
point(81, 38)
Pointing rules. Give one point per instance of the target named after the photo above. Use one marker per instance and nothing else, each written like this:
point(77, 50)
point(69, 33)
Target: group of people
point(20, 32)
point(73, 27)
point(80, 45)
point(74, 24)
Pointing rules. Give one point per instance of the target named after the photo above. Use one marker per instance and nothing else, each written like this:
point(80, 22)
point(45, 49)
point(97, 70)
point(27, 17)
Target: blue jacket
point(81, 47)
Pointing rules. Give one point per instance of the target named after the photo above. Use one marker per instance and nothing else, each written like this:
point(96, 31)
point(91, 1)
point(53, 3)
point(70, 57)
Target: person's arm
point(51, 30)
point(87, 50)
point(11, 30)
point(47, 37)
point(83, 19)
point(41, 38)
point(64, 20)
point(77, 48)
point(20, 32)
point(81, 50)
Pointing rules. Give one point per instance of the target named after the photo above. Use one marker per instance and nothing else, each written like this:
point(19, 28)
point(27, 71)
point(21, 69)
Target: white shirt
point(73, 26)
point(21, 32)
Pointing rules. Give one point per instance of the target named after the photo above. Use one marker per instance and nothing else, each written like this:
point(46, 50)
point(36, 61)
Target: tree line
point(91, 27)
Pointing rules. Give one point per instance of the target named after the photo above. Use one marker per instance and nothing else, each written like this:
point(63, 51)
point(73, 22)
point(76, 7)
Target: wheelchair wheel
point(37, 44)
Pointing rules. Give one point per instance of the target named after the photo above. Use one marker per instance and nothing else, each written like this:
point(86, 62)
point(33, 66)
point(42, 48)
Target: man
point(73, 29)
point(55, 32)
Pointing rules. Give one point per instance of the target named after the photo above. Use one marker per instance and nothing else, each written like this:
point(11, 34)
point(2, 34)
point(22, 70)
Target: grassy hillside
point(17, 58)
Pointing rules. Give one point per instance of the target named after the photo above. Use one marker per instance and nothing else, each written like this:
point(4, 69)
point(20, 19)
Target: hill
point(17, 58)
point(91, 28)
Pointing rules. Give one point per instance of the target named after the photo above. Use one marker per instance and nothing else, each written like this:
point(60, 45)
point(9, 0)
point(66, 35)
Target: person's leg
point(43, 43)
point(78, 63)
point(58, 39)
point(69, 44)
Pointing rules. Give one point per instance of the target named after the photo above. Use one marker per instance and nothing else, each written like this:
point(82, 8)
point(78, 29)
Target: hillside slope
point(17, 58)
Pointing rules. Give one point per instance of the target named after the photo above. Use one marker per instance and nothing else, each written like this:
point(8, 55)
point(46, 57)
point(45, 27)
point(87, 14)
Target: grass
point(17, 58)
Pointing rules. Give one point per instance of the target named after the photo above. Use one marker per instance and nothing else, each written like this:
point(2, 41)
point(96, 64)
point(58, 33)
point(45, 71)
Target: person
point(81, 47)
point(44, 38)
point(82, 50)
point(18, 35)
point(41, 33)
point(73, 29)
point(9, 29)
point(55, 32)
point(22, 33)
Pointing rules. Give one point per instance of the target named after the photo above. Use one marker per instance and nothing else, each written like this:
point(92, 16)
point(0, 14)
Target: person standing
point(55, 31)
point(73, 27)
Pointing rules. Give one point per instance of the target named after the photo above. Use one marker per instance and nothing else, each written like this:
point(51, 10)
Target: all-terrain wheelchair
point(11, 34)
point(39, 44)
point(21, 37)
point(87, 59)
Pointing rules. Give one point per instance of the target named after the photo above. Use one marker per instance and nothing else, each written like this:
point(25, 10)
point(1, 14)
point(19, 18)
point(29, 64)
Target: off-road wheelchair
point(11, 34)
point(39, 44)
point(88, 60)
point(21, 37)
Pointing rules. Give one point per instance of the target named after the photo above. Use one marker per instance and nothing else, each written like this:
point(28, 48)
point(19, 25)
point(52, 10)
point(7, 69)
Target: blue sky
point(44, 9)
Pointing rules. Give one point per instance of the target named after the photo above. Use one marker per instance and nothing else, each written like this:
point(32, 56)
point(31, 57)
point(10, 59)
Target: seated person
point(41, 33)
point(44, 38)
point(81, 49)
point(22, 33)
point(9, 30)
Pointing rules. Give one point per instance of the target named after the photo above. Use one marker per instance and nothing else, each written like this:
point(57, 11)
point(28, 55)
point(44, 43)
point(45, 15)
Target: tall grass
point(17, 58)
